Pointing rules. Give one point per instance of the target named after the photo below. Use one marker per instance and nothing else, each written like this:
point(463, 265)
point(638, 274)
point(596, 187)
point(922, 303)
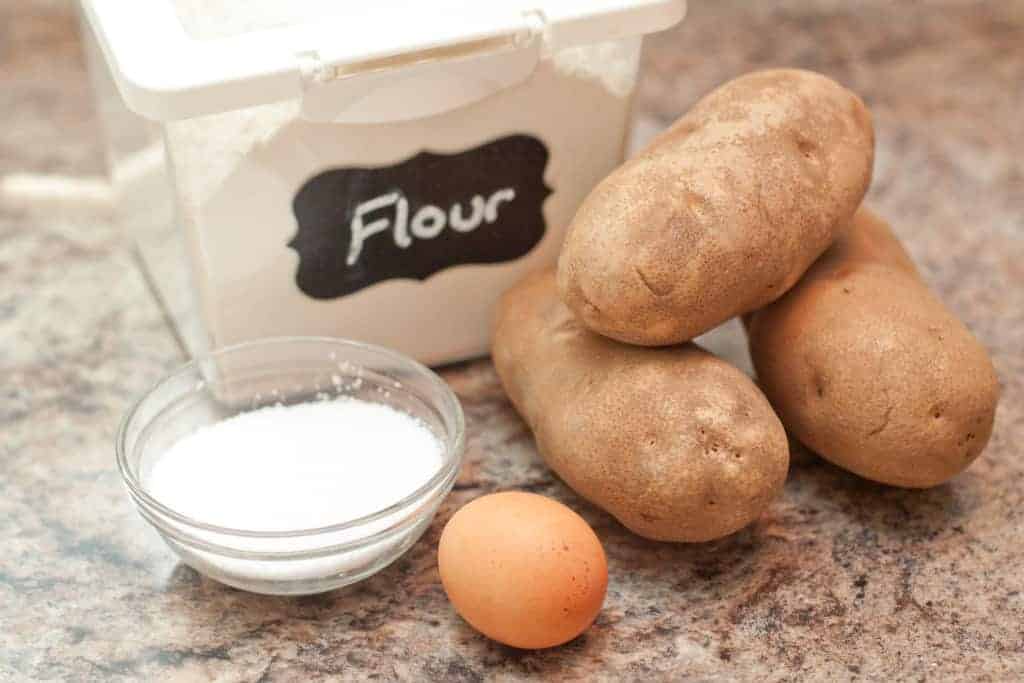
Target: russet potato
point(677, 444)
point(722, 213)
point(868, 368)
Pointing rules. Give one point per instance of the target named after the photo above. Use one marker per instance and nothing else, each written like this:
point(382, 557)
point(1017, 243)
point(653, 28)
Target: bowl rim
point(454, 444)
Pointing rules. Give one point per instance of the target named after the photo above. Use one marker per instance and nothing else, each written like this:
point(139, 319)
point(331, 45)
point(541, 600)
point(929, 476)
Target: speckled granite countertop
point(841, 580)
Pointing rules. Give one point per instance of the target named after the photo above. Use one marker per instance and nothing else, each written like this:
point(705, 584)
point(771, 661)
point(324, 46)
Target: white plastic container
point(378, 171)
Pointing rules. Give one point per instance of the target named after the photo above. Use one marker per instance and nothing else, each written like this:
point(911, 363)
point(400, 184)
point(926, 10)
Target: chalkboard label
point(361, 226)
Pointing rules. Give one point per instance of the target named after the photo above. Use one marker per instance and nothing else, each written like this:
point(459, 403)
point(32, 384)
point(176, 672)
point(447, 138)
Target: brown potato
point(675, 443)
point(722, 213)
point(866, 367)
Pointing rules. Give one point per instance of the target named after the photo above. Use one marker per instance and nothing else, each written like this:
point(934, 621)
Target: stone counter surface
point(841, 580)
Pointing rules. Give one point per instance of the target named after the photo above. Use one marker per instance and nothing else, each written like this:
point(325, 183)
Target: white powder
point(211, 148)
point(612, 65)
point(290, 468)
point(237, 173)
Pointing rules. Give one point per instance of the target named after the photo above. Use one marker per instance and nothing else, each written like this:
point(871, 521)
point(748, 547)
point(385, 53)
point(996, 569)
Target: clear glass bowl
point(289, 371)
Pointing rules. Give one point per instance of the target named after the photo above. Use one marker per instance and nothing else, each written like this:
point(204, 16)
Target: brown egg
point(523, 569)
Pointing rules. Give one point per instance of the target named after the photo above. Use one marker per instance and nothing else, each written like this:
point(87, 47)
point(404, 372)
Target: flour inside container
point(238, 174)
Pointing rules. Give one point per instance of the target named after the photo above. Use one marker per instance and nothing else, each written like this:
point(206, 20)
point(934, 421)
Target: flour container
point(378, 171)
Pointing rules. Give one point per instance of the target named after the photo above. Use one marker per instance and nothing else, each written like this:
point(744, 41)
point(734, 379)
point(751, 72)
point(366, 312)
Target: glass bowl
point(288, 371)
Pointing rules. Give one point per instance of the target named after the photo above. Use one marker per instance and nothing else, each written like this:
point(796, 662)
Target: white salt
point(291, 468)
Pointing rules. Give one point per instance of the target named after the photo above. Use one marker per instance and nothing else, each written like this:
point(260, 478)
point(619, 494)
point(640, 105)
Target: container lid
point(176, 59)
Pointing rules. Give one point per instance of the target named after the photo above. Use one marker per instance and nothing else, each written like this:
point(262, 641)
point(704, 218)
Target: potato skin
point(866, 367)
point(723, 212)
point(675, 443)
